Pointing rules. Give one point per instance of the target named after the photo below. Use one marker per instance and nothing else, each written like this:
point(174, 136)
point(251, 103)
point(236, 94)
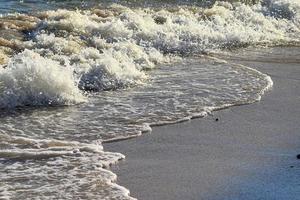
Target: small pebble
point(291, 166)
point(298, 156)
point(217, 119)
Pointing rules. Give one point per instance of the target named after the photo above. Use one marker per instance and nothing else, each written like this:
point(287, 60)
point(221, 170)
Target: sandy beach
point(150, 100)
point(243, 152)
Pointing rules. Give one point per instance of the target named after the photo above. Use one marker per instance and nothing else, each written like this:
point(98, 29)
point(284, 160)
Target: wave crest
point(110, 48)
point(30, 79)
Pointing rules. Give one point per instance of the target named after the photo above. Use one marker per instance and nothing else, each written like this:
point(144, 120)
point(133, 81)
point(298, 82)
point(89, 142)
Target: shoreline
point(250, 152)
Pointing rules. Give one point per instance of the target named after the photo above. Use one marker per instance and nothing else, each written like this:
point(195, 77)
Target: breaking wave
point(113, 47)
point(102, 59)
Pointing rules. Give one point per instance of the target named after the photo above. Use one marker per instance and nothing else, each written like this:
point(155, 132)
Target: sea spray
point(111, 48)
point(30, 79)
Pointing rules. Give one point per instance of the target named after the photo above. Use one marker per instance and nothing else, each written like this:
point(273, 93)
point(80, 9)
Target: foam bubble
point(32, 80)
point(51, 169)
point(69, 52)
point(111, 48)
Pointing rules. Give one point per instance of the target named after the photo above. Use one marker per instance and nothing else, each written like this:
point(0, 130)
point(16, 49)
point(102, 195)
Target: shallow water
point(72, 79)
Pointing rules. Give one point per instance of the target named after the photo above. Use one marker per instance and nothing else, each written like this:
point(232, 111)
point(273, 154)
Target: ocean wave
point(113, 47)
point(58, 57)
point(53, 169)
point(32, 80)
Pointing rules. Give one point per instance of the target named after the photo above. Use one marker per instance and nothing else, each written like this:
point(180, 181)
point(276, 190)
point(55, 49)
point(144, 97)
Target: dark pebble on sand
point(298, 156)
point(217, 119)
point(291, 166)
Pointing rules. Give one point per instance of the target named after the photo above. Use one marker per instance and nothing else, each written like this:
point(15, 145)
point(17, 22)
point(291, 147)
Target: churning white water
point(71, 79)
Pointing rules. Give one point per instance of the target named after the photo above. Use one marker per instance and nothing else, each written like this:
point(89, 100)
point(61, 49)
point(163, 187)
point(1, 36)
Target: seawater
point(76, 74)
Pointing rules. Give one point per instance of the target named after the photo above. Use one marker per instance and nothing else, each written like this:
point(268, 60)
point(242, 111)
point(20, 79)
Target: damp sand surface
point(76, 77)
point(248, 153)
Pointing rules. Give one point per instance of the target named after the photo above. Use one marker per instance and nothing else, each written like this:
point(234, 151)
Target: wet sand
point(244, 152)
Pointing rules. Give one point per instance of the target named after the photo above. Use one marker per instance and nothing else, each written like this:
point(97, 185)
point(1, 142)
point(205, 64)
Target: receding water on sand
point(72, 79)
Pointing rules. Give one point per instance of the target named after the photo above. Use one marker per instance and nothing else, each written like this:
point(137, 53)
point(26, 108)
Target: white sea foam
point(71, 52)
point(71, 169)
point(188, 29)
point(111, 48)
point(30, 79)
